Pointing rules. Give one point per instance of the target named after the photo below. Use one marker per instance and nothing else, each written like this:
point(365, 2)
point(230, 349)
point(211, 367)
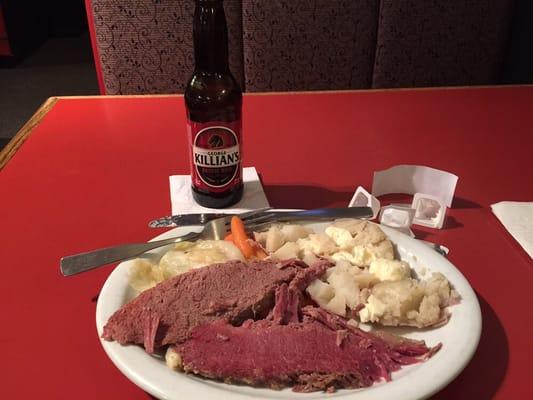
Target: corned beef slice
point(288, 297)
point(231, 291)
point(308, 355)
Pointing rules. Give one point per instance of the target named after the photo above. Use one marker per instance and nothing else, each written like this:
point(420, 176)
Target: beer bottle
point(213, 100)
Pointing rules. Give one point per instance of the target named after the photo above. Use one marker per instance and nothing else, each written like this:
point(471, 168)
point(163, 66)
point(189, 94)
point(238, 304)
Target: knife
point(267, 214)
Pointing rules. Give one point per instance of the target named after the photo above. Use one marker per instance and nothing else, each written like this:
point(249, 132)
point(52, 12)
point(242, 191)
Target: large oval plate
point(460, 337)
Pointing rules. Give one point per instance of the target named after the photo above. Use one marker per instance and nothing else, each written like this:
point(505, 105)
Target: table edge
point(22, 135)
point(310, 92)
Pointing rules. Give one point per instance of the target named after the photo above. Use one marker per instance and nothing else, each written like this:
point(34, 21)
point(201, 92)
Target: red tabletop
point(95, 170)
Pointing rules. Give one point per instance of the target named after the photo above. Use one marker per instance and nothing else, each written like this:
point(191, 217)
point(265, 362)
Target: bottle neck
point(210, 37)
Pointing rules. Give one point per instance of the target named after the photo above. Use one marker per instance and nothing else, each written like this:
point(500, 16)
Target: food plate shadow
point(306, 196)
point(451, 223)
point(489, 364)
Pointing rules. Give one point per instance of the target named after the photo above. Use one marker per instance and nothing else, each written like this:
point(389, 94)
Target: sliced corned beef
point(166, 313)
point(288, 297)
point(307, 355)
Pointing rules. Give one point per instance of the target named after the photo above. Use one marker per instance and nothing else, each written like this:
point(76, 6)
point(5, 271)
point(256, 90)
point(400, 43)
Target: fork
point(71, 265)
point(200, 218)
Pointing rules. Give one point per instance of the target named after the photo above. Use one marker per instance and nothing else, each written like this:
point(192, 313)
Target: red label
point(215, 155)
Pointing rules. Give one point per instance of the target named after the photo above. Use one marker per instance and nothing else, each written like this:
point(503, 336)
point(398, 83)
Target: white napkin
point(182, 201)
point(517, 217)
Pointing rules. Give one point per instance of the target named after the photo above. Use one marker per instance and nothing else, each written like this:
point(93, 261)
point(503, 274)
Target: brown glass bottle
point(213, 100)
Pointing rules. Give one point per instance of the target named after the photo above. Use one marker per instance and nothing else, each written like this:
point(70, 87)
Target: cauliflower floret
point(362, 256)
point(365, 279)
point(352, 225)
point(340, 236)
point(359, 256)
point(374, 309)
point(389, 270)
point(318, 244)
point(429, 311)
point(382, 249)
point(439, 285)
point(369, 234)
point(407, 302)
point(398, 297)
point(343, 256)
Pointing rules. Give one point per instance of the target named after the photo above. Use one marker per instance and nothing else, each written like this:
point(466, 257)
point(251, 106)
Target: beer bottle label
point(215, 155)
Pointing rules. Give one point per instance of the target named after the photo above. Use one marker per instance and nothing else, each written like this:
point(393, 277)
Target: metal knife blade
point(319, 213)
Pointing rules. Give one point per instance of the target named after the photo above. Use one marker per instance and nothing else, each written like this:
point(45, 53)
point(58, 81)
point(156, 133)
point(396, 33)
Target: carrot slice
point(239, 237)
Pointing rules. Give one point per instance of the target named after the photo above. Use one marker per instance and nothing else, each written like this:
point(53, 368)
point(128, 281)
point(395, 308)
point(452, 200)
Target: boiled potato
point(318, 243)
point(324, 295)
point(274, 239)
point(294, 232)
point(308, 257)
point(344, 284)
point(287, 251)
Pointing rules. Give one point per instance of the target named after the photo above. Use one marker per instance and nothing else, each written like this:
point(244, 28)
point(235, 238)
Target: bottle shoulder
point(212, 88)
point(211, 96)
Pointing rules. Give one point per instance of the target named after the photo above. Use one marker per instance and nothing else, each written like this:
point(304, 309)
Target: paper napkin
point(517, 218)
point(182, 201)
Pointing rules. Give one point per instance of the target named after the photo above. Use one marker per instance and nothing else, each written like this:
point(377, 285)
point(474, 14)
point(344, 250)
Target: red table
point(95, 170)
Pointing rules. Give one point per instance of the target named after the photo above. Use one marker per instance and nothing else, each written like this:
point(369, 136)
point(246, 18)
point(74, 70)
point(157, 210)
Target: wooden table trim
point(310, 92)
point(14, 144)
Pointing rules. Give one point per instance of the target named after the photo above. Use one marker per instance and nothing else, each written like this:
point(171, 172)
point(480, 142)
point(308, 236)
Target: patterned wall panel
point(441, 42)
point(145, 46)
point(308, 44)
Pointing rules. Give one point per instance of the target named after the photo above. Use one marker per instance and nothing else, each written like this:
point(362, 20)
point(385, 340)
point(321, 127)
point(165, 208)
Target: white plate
point(460, 337)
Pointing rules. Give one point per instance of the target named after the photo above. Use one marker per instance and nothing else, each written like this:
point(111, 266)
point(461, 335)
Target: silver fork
point(213, 230)
point(71, 265)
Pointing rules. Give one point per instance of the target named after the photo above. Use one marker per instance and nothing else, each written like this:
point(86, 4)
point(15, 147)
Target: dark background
point(518, 67)
point(51, 56)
